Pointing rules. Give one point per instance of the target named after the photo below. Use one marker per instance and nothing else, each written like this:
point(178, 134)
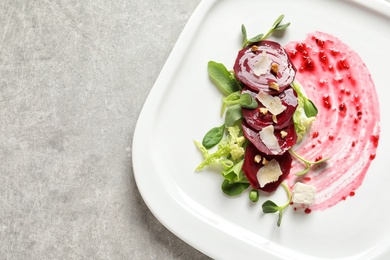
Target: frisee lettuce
point(229, 155)
point(230, 150)
point(304, 114)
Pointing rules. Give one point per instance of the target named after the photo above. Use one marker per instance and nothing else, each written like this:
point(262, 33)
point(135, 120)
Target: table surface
point(74, 76)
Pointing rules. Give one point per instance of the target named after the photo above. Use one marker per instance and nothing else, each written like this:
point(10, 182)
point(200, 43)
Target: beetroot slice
point(250, 167)
point(247, 58)
point(285, 143)
point(258, 120)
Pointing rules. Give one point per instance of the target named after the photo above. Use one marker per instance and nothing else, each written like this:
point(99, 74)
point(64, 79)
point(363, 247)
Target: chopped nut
point(274, 68)
point(263, 110)
point(283, 134)
point(254, 48)
point(265, 161)
point(274, 85)
point(275, 119)
point(257, 158)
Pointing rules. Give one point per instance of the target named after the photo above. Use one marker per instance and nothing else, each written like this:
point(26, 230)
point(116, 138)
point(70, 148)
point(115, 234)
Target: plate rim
point(269, 249)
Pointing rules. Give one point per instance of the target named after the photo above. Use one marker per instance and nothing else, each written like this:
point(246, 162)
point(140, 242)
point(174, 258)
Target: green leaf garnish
point(213, 136)
point(236, 98)
point(243, 31)
point(247, 101)
point(277, 26)
point(309, 107)
point(233, 189)
point(222, 78)
point(304, 114)
point(271, 207)
point(233, 114)
point(234, 173)
point(308, 164)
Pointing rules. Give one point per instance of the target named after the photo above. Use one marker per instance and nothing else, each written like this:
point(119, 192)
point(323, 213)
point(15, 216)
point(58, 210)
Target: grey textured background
point(73, 78)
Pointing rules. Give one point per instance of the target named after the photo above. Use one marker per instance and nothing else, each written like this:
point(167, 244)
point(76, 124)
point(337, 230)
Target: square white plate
point(183, 105)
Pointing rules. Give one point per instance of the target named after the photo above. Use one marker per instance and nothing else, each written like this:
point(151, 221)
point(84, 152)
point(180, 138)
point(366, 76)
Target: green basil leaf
point(309, 108)
point(247, 101)
point(222, 78)
point(213, 136)
point(270, 207)
point(233, 189)
point(233, 113)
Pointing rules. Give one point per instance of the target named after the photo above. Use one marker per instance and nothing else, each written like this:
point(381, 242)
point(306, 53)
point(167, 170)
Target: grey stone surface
point(73, 79)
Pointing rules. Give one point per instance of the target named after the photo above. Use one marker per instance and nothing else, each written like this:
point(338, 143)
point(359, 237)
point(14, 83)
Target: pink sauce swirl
point(347, 129)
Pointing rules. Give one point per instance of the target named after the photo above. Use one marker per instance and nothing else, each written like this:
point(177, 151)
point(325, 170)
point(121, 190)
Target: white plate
point(183, 105)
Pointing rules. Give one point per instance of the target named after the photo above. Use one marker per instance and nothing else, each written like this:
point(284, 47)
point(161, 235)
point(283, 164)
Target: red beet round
point(250, 167)
point(285, 143)
point(258, 120)
point(249, 56)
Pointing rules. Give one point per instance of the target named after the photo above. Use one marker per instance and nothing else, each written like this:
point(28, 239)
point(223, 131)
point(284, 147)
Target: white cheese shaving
point(263, 65)
point(269, 173)
point(268, 137)
point(273, 104)
point(303, 193)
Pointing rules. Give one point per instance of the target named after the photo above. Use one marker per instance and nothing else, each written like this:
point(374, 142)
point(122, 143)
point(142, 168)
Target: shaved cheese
point(269, 173)
point(303, 193)
point(273, 104)
point(268, 137)
point(263, 65)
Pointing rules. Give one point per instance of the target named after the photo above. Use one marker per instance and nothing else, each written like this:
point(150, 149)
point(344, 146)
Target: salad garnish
point(266, 113)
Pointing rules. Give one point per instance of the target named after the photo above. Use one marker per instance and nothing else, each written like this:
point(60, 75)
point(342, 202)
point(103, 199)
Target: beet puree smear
point(347, 126)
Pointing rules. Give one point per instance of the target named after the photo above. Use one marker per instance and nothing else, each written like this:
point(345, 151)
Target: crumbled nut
point(283, 134)
point(257, 158)
point(265, 161)
point(275, 119)
point(274, 85)
point(254, 48)
point(263, 110)
point(274, 68)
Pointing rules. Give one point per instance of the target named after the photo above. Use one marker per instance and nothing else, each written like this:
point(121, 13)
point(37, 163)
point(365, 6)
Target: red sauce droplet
point(326, 101)
point(308, 63)
point(344, 197)
point(342, 64)
point(315, 134)
point(352, 193)
point(353, 144)
point(307, 210)
point(318, 158)
point(343, 109)
point(306, 178)
point(372, 156)
point(334, 52)
point(331, 137)
point(320, 42)
point(375, 140)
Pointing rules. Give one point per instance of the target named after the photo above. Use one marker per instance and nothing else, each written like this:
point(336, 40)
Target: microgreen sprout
point(277, 26)
point(308, 164)
point(271, 207)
